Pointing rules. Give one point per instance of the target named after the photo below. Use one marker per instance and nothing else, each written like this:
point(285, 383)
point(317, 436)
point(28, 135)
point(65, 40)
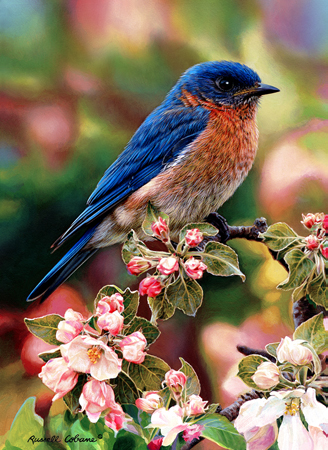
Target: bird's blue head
point(222, 83)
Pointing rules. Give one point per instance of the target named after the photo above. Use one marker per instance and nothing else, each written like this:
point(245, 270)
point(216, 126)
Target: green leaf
point(148, 376)
point(247, 367)
point(213, 408)
point(221, 260)
point(318, 291)
point(300, 267)
point(313, 331)
point(205, 228)
point(299, 292)
point(131, 304)
point(131, 247)
point(107, 291)
point(128, 441)
point(279, 236)
point(150, 331)
point(46, 356)
point(45, 327)
point(272, 349)
point(72, 398)
point(185, 294)
point(192, 386)
point(218, 429)
point(152, 216)
point(26, 426)
point(161, 308)
point(125, 390)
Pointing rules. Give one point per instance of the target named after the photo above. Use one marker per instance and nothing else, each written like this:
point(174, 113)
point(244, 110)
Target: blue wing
point(158, 141)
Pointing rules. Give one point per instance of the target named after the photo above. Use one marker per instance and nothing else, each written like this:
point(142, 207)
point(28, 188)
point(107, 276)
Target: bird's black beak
point(263, 89)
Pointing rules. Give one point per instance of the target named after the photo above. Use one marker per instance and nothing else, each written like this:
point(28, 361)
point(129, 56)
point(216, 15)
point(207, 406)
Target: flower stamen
point(94, 354)
point(292, 408)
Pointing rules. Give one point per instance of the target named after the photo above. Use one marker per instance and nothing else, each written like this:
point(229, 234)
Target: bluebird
point(187, 158)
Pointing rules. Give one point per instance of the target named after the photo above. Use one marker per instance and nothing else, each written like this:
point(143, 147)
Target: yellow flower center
point(94, 354)
point(292, 408)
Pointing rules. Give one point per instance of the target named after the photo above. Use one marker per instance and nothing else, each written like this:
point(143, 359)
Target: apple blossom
point(150, 286)
point(169, 421)
point(112, 322)
point(194, 237)
point(115, 419)
point(69, 328)
point(96, 396)
point(312, 242)
point(325, 223)
point(149, 402)
point(58, 376)
point(88, 355)
point(138, 265)
point(155, 444)
point(175, 380)
point(194, 268)
point(109, 304)
point(192, 432)
point(133, 347)
point(160, 229)
point(266, 375)
point(293, 352)
point(257, 420)
point(324, 250)
point(195, 405)
point(168, 265)
point(308, 220)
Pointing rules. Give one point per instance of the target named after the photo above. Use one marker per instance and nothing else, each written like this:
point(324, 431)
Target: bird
point(187, 158)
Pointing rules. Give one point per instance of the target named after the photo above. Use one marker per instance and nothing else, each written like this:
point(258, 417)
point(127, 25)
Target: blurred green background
point(77, 79)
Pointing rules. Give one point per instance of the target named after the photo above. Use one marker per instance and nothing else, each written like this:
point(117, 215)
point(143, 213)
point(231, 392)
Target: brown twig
point(252, 351)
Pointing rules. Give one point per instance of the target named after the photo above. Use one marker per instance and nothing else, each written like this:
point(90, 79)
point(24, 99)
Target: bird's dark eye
point(225, 84)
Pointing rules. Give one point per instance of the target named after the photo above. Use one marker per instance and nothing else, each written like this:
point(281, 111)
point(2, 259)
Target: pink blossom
point(155, 444)
point(160, 229)
point(112, 322)
point(194, 237)
point(96, 396)
point(110, 304)
point(325, 223)
point(133, 347)
point(169, 265)
point(324, 250)
point(308, 220)
point(69, 328)
point(312, 242)
point(88, 355)
point(150, 286)
point(149, 402)
point(170, 422)
point(266, 375)
point(194, 268)
point(195, 405)
point(115, 419)
point(58, 376)
point(192, 432)
point(175, 380)
point(138, 265)
point(294, 352)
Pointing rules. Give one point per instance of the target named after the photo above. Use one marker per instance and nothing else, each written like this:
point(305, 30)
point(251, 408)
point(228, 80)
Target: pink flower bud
point(319, 217)
point(110, 304)
point(194, 237)
point(167, 266)
point(293, 352)
point(69, 328)
point(138, 265)
point(155, 444)
point(324, 250)
point(308, 220)
point(112, 322)
point(115, 419)
point(175, 380)
point(195, 405)
point(96, 396)
point(160, 229)
point(194, 268)
point(325, 223)
point(133, 347)
point(192, 432)
point(149, 402)
point(312, 242)
point(58, 377)
point(150, 286)
point(266, 375)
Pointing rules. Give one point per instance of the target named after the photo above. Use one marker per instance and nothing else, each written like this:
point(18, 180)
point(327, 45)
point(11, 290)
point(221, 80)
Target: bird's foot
point(221, 224)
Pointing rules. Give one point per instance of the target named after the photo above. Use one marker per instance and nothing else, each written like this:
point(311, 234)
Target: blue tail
point(64, 268)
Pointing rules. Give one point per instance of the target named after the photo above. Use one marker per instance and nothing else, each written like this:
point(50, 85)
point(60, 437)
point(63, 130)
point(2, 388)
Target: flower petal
point(320, 439)
point(172, 434)
point(261, 438)
point(315, 413)
point(293, 435)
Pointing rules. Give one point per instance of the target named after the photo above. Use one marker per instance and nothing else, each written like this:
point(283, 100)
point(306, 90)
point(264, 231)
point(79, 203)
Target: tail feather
point(73, 259)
